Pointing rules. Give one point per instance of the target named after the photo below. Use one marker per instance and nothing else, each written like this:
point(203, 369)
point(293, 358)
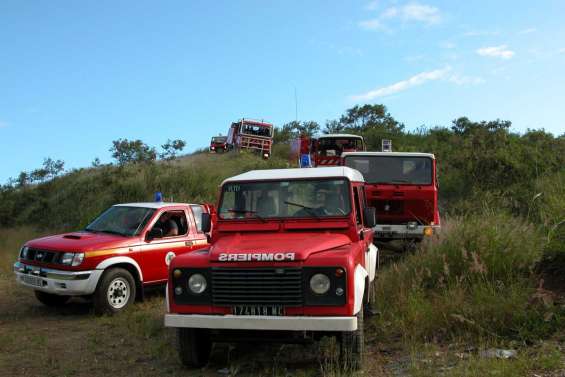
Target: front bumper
point(59, 282)
point(254, 322)
point(404, 231)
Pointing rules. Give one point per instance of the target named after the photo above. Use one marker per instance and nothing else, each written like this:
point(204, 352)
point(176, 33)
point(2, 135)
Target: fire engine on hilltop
point(291, 258)
point(324, 150)
point(252, 135)
point(403, 188)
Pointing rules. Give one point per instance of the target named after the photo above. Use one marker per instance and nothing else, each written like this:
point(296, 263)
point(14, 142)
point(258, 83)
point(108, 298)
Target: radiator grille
point(257, 286)
point(45, 256)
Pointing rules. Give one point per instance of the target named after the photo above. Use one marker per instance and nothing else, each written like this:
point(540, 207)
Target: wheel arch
point(129, 265)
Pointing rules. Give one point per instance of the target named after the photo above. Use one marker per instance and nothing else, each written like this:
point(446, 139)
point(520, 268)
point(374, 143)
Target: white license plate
point(267, 310)
point(32, 280)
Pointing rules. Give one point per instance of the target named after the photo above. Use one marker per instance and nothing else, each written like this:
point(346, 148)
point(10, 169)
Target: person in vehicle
point(168, 225)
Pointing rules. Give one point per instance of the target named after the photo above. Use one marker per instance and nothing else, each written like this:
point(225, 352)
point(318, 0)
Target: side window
point(197, 212)
point(173, 223)
point(357, 207)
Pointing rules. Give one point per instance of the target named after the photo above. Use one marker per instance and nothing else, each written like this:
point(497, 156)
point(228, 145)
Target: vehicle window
point(197, 212)
point(121, 220)
point(336, 146)
point(291, 198)
point(357, 206)
point(173, 223)
point(393, 169)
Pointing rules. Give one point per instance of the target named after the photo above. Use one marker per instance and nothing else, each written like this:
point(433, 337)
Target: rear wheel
point(50, 299)
point(194, 347)
point(115, 291)
point(352, 346)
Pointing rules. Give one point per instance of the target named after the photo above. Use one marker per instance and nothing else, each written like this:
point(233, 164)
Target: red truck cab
point(127, 248)
point(219, 144)
point(252, 135)
point(403, 187)
point(325, 150)
point(291, 258)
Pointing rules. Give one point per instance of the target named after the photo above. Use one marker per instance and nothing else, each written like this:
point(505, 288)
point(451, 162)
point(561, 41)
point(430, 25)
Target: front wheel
point(352, 346)
point(194, 347)
point(50, 299)
point(115, 291)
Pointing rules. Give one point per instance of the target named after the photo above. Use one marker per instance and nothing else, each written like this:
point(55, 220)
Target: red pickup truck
point(127, 248)
point(291, 259)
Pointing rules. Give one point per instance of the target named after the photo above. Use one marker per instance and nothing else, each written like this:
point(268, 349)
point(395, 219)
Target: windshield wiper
point(234, 210)
point(399, 181)
point(310, 210)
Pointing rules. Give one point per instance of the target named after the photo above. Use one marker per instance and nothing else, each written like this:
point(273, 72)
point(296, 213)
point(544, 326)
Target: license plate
point(32, 280)
point(266, 310)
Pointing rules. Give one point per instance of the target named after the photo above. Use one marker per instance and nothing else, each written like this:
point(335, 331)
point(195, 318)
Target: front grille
point(42, 256)
point(257, 286)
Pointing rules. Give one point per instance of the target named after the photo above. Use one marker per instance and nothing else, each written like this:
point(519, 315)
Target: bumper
point(233, 322)
point(59, 282)
point(404, 231)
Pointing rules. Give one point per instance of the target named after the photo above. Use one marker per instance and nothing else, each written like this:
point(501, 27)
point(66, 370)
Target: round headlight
point(319, 284)
point(197, 283)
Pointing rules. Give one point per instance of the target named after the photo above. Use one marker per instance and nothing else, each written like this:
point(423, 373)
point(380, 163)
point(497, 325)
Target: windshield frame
point(279, 218)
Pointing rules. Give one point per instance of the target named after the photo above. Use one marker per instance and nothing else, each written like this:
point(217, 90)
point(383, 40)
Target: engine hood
point(276, 247)
point(81, 241)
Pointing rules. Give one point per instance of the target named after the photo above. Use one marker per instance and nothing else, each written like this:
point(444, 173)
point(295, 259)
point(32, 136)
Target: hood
point(80, 241)
point(277, 247)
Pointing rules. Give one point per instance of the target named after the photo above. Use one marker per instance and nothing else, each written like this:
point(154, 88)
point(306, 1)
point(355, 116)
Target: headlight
point(319, 284)
point(72, 259)
point(23, 252)
point(197, 283)
point(67, 258)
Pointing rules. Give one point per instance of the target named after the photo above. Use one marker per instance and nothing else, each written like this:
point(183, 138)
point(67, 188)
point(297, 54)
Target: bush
point(476, 279)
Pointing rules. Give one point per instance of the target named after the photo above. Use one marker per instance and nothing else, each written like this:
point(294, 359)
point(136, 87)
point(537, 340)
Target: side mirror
point(370, 216)
point(206, 222)
point(154, 233)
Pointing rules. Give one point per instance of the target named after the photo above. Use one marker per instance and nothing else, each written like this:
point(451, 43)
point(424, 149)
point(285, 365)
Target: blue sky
point(75, 75)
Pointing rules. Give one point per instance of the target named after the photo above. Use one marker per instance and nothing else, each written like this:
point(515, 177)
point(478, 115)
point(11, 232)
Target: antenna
point(295, 105)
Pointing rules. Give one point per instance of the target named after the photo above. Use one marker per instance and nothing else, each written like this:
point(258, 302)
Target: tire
point(115, 291)
point(194, 347)
point(352, 346)
point(50, 299)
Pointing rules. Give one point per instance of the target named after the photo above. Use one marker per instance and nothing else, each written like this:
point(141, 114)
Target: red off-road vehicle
point(324, 150)
point(219, 144)
point(252, 135)
point(291, 259)
point(403, 188)
point(127, 248)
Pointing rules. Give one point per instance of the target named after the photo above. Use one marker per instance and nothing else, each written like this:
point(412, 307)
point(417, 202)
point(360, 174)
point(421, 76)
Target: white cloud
point(447, 45)
point(561, 51)
point(400, 86)
point(442, 74)
point(528, 31)
point(412, 12)
point(373, 5)
point(496, 52)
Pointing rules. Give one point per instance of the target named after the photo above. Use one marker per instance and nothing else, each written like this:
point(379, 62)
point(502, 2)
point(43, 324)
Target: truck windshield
point(256, 130)
point(219, 139)
point(393, 169)
point(121, 220)
point(336, 146)
point(290, 198)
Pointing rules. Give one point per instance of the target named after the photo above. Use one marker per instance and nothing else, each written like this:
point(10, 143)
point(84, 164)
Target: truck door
point(177, 238)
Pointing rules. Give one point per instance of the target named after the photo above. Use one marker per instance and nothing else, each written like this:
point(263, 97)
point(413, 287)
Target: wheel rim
point(118, 293)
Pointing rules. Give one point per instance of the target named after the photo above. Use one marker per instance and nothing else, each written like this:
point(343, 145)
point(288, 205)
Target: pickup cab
point(124, 250)
point(291, 259)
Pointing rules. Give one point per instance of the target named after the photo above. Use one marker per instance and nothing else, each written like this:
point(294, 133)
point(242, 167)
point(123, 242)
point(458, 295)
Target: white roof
point(390, 154)
point(155, 205)
point(339, 135)
point(305, 173)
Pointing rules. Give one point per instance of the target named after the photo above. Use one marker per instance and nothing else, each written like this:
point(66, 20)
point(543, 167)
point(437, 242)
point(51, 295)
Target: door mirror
point(206, 222)
point(154, 233)
point(370, 217)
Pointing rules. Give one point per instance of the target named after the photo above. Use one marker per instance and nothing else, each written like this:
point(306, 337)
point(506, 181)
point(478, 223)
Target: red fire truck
point(324, 150)
point(127, 248)
point(291, 259)
point(403, 188)
point(252, 135)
